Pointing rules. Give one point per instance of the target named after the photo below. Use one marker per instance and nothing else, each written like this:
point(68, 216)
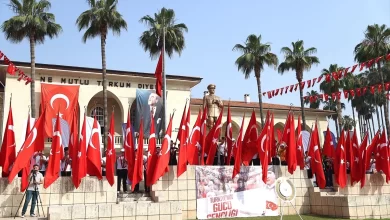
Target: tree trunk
point(360, 125)
point(32, 86)
point(103, 50)
point(353, 114)
point(369, 128)
point(382, 117)
point(339, 116)
point(260, 99)
point(337, 128)
point(386, 104)
point(377, 117)
point(302, 104)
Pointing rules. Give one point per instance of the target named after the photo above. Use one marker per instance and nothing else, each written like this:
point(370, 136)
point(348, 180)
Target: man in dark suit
point(155, 108)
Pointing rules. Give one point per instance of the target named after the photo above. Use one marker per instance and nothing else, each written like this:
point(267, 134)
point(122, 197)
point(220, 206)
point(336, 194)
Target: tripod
point(36, 192)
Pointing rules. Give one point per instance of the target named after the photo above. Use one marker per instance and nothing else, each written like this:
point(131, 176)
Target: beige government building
point(122, 86)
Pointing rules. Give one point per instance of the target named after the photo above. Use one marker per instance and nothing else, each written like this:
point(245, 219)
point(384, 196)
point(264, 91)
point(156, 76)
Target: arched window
point(98, 111)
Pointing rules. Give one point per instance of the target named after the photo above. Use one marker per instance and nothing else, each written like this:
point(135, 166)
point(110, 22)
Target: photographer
point(36, 179)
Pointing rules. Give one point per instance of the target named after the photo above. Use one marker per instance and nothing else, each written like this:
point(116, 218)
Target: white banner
point(220, 196)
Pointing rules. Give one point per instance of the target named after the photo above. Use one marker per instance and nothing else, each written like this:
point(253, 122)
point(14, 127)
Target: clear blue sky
point(334, 27)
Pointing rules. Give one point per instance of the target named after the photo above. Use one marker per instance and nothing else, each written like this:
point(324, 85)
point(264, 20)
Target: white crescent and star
point(316, 149)
point(59, 96)
point(34, 136)
point(128, 130)
point(193, 131)
point(11, 128)
point(94, 130)
point(168, 141)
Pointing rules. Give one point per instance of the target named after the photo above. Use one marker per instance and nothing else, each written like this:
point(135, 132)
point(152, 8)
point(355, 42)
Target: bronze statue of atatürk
point(214, 105)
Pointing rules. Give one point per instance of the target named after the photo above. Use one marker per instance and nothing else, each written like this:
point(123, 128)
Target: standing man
point(41, 161)
point(36, 179)
point(221, 152)
point(66, 163)
point(145, 162)
point(121, 171)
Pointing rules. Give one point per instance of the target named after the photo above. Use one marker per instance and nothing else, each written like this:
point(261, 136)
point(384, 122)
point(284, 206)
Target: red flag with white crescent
point(203, 134)
point(316, 161)
point(110, 152)
point(182, 162)
point(341, 162)
point(129, 148)
point(194, 146)
point(249, 143)
point(263, 147)
point(163, 159)
point(56, 153)
point(58, 99)
point(238, 150)
point(79, 171)
point(212, 139)
point(8, 152)
point(94, 163)
point(300, 157)
point(34, 142)
point(152, 153)
point(138, 162)
point(26, 169)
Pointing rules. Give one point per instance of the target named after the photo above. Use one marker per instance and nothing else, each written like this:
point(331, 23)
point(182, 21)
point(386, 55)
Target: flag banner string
point(328, 77)
point(12, 69)
point(350, 93)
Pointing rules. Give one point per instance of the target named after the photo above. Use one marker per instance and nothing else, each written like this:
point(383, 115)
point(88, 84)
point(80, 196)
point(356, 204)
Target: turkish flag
point(271, 205)
point(182, 136)
point(58, 99)
point(228, 136)
point(158, 74)
point(79, 170)
point(341, 162)
point(56, 153)
point(8, 153)
point(138, 165)
point(94, 163)
point(34, 142)
point(238, 151)
point(203, 134)
point(354, 153)
point(194, 146)
point(363, 160)
point(272, 142)
point(74, 146)
point(163, 158)
point(249, 147)
point(152, 153)
point(328, 149)
point(263, 143)
point(300, 157)
point(26, 169)
point(382, 162)
point(316, 161)
point(212, 139)
point(110, 152)
point(129, 148)
point(291, 151)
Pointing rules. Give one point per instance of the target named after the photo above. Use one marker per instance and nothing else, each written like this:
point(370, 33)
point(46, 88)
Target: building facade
point(122, 86)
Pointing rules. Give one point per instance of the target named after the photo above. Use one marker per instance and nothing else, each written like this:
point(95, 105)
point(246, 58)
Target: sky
point(334, 27)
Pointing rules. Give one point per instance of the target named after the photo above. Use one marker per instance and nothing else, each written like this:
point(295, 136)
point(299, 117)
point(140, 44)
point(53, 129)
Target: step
point(129, 199)
point(133, 195)
point(120, 202)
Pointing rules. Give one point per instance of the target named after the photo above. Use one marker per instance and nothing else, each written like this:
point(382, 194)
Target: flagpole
point(164, 121)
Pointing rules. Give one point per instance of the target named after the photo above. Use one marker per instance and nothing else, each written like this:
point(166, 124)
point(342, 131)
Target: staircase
point(133, 198)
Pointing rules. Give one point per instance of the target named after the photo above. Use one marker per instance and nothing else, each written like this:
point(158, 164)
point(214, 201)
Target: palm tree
point(298, 59)
point(165, 33)
point(316, 103)
point(331, 105)
point(375, 44)
point(101, 17)
point(33, 22)
point(332, 87)
point(255, 55)
point(348, 123)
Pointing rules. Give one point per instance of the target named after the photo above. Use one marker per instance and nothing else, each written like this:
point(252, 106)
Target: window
point(133, 112)
point(98, 111)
